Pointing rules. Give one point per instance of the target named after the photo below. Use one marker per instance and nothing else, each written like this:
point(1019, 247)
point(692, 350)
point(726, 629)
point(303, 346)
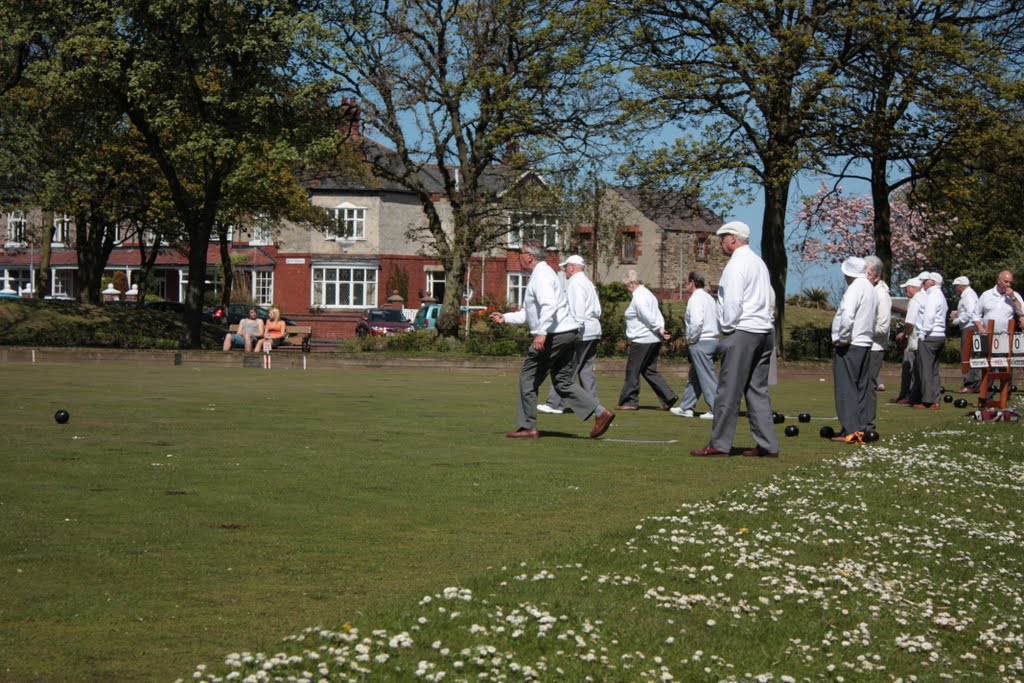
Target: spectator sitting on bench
point(273, 331)
point(250, 331)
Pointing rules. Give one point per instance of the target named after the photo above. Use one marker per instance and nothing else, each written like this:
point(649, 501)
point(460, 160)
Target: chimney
point(350, 118)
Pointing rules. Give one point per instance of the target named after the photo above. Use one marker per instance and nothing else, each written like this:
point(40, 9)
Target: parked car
point(426, 317)
point(232, 314)
point(382, 322)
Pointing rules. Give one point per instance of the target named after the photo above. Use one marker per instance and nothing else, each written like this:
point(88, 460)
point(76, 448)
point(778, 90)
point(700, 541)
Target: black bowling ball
point(871, 435)
point(827, 432)
point(778, 418)
point(62, 416)
point(960, 403)
point(792, 430)
point(804, 417)
point(942, 390)
point(948, 398)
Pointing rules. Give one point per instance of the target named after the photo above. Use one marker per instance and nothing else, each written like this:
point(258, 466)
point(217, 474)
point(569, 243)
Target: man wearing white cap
point(931, 337)
point(745, 349)
point(546, 312)
point(702, 343)
point(910, 392)
point(963, 317)
point(585, 309)
point(853, 329)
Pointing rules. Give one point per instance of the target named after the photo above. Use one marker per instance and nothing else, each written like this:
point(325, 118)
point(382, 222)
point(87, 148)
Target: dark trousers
point(928, 379)
point(850, 376)
point(875, 359)
point(642, 361)
point(745, 358)
point(554, 360)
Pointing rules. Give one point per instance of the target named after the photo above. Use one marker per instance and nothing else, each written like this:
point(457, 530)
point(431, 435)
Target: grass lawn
point(188, 512)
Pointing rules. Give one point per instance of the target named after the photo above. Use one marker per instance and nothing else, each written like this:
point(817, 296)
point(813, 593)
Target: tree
point(473, 95)
point(745, 80)
point(926, 74)
point(837, 226)
point(203, 84)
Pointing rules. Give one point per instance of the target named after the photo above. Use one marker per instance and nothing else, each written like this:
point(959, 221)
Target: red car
point(382, 322)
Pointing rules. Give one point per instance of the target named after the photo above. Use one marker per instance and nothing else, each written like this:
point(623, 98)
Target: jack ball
point(62, 416)
point(948, 398)
point(778, 418)
point(960, 403)
point(827, 432)
point(871, 435)
point(804, 417)
point(792, 430)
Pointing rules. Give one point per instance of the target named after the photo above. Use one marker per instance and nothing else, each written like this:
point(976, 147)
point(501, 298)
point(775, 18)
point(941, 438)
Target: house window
point(262, 234)
point(61, 282)
point(335, 286)
point(263, 287)
point(526, 225)
point(16, 279)
point(213, 282)
point(435, 284)
point(228, 230)
point(349, 223)
point(17, 227)
point(63, 227)
point(517, 288)
point(701, 249)
point(627, 253)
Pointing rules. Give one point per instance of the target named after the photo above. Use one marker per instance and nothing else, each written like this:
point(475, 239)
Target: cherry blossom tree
point(833, 226)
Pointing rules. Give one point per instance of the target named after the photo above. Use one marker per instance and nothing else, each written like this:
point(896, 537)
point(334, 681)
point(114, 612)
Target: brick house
point(326, 279)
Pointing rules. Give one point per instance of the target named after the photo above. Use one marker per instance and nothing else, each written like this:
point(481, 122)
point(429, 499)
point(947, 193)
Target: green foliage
point(811, 297)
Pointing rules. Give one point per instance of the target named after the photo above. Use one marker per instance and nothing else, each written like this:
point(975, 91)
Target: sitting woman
point(250, 331)
point(273, 333)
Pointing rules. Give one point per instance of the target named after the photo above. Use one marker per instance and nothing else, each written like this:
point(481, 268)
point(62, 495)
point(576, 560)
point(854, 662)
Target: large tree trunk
point(454, 283)
point(192, 338)
point(94, 240)
point(45, 240)
point(773, 248)
point(880, 203)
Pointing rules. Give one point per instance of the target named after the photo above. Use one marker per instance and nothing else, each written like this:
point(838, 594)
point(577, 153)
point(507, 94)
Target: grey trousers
point(743, 373)
point(972, 380)
point(850, 375)
point(555, 360)
point(701, 379)
point(909, 391)
point(584, 365)
point(928, 379)
point(874, 367)
point(643, 361)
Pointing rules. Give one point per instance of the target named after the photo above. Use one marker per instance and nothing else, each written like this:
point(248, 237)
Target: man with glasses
point(745, 349)
point(546, 311)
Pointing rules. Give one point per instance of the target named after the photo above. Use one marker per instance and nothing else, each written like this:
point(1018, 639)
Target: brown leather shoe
point(903, 402)
point(601, 423)
point(758, 452)
point(668, 406)
point(627, 406)
point(524, 434)
point(926, 406)
point(708, 452)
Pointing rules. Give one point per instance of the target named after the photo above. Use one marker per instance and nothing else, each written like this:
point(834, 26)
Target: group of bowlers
point(738, 329)
point(562, 321)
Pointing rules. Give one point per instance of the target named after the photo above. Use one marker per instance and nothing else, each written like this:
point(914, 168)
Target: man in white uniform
point(745, 320)
point(853, 330)
point(880, 340)
point(702, 341)
point(546, 311)
point(585, 309)
point(963, 317)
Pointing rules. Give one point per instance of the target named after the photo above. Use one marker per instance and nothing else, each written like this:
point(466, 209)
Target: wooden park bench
point(295, 337)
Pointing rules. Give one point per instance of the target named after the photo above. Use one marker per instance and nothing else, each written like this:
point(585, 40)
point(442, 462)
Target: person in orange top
point(273, 331)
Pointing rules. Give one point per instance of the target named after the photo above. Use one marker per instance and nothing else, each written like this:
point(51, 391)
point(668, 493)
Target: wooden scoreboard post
point(997, 353)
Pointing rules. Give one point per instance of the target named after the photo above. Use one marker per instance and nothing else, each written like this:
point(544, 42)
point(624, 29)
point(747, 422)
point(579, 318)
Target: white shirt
point(931, 319)
point(995, 306)
point(854, 321)
point(883, 318)
point(545, 307)
point(913, 310)
point(744, 294)
point(965, 308)
point(701, 317)
point(644, 321)
point(584, 306)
